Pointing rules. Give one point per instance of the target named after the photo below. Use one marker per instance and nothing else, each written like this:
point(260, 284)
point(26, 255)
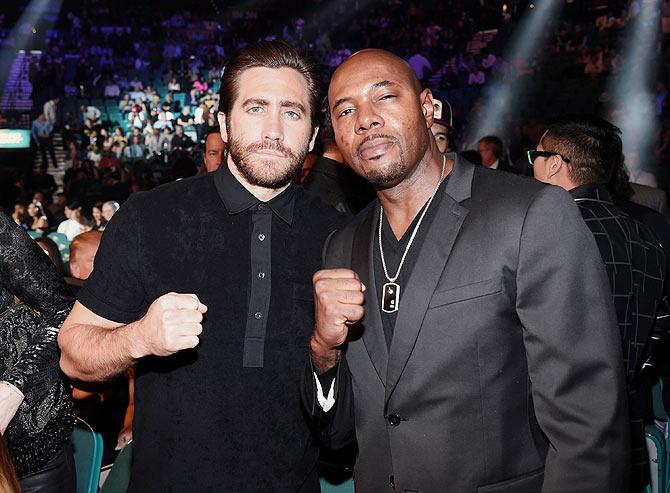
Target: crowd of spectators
point(134, 92)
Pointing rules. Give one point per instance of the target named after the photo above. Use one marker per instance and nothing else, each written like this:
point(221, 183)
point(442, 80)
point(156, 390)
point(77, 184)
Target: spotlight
point(499, 98)
point(633, 88)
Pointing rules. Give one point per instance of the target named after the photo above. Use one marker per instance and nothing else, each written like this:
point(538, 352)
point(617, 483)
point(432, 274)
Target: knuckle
point(167, 316)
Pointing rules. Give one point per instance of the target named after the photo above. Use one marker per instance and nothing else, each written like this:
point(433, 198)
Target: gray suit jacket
point(505, 368)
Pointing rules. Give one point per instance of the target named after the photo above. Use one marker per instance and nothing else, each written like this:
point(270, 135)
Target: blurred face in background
point(441, 137)
point(214, 148)
point(33, 211)
point(107, 211)
point(97, 214)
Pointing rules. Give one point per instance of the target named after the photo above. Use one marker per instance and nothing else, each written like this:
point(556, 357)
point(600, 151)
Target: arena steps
point(61, 158)
point(17, 93)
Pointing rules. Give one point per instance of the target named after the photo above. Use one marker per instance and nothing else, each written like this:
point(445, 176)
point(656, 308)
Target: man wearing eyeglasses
point(579, 154)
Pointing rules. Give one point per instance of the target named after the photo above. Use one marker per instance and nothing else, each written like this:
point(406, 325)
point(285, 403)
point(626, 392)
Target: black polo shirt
point(225, 416)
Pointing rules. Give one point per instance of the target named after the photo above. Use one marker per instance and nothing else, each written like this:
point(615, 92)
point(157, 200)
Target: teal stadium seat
point(63, 245)
point(87, 445)
point(119, 476)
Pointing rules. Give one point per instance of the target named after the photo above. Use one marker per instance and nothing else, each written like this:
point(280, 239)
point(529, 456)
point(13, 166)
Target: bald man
point(465, 334)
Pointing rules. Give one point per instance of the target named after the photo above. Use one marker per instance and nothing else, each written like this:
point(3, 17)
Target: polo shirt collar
point(237, 199)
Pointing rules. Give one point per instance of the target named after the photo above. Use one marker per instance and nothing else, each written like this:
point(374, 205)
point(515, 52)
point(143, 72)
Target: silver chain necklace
point(391, 290)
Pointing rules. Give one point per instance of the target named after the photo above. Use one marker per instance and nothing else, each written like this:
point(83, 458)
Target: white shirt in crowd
point(112, 91)
point(71, 228)
point(49, 110)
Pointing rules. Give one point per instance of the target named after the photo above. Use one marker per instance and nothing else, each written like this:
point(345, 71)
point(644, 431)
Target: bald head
point(82, 253)
point(375, 56)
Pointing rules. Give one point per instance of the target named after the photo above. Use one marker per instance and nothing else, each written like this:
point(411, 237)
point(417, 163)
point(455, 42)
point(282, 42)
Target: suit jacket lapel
point(433, 256)
point(362, 263)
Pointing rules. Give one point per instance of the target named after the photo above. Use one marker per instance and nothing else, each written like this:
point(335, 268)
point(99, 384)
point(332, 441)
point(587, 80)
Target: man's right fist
point(172, 323)
point(338, 300)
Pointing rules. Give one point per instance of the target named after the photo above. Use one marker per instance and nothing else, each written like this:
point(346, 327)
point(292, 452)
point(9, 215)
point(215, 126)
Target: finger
point(354, 313)
point(188, 342)
point(334, 274)
point(188, 329)
point(348, 285)
point(185, 316)
point(351, 297)
point(337, 285)
point(186, 301)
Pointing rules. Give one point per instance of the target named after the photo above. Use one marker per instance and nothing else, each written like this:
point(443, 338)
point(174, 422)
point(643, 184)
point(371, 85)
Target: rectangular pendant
point(390, 297)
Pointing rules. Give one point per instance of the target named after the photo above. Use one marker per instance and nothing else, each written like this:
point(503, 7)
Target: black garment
point(225, 416)
point(29, 356)
point(339, 186)
point(636, 266)
point(504, 166)
point(182, 142)
point(57, 476)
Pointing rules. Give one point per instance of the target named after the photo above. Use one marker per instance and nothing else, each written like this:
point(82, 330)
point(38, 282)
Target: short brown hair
point(270, 54)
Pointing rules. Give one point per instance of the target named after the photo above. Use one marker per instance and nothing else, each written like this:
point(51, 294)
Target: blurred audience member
point(98, 222)
point(109, 208)
point(42, 131)
point(580, 154)
point(214, 149)
point(75, 223)
point(37, 221)
point(490, 150)
point(333, 181)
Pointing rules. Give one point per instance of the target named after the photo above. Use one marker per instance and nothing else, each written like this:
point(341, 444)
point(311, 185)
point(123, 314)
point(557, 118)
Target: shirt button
point(261, 207)
point(261, 275)
point(393, 419)
point(258, 315)
point(261, 237)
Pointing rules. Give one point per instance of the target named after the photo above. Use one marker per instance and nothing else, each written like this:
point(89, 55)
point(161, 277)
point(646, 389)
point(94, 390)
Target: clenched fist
point(172, 323)
point(338, 298)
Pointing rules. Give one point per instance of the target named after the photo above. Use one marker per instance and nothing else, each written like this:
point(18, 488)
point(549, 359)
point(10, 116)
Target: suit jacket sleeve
point(572, 348)
point(336, 427)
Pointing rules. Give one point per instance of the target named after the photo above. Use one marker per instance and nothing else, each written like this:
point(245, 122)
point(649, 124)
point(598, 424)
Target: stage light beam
point(500, 97)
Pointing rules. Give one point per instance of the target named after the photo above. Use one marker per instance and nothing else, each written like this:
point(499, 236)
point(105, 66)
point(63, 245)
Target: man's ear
point(554, 165)
point(221, 117)
point(312, 141)
point(426, 99)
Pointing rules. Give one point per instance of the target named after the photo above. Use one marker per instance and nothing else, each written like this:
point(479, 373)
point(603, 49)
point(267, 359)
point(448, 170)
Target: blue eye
point(292, 115)
point(255, 109)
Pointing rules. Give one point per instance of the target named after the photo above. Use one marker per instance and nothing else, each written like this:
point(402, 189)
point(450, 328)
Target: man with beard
point(464, 331)
point(205, 285)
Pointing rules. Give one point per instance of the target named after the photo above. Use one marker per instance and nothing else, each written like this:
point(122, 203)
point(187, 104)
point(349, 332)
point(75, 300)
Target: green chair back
point(119, 476)
point(63, 245)
point(87, 445)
